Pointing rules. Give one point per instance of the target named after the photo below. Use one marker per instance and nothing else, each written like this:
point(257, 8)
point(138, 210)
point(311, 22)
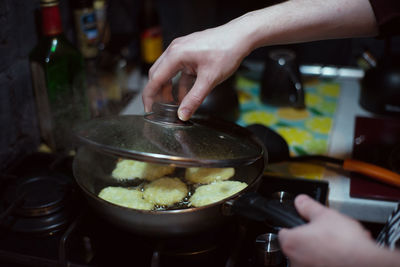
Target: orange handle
point(373, 171)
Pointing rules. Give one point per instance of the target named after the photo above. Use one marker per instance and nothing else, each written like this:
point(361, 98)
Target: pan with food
point(159, 176)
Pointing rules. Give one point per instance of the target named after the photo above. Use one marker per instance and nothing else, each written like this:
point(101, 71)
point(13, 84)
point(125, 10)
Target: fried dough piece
point(214, 192)
point(126, 197)
point(165, 191)
point(127, 169)
point(208, 175)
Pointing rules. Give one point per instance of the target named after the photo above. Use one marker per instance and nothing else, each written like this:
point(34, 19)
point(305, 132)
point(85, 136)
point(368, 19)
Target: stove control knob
point(268, 251)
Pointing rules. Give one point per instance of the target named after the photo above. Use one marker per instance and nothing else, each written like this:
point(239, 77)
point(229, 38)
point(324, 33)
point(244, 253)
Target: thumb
point(308, 208)
point(194, 97)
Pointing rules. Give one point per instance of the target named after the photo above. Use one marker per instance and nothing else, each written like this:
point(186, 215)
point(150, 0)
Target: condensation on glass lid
point(203, 143)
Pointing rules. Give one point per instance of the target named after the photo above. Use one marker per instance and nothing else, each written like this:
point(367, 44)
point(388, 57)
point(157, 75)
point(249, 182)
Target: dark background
point(19, 34)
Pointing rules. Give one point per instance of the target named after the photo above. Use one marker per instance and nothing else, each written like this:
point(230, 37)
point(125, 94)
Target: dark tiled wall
point(19, 32)
point(18, 130)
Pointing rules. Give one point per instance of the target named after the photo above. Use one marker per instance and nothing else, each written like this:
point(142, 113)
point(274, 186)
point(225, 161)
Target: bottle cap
point(48, 3)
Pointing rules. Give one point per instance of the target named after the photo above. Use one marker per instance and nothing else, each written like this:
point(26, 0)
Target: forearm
point(306, 20)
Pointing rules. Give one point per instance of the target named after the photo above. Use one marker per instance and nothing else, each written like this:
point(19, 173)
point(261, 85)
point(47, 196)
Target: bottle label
point(42, 104)
point(87, 32)
point(151, 44)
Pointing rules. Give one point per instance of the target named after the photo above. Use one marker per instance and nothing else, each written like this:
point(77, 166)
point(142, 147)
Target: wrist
point(386, 258)
point(373, 255)
point(243, 32)
point(248, 27)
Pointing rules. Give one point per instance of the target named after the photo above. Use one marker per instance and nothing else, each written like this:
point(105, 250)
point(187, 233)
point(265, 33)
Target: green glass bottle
point(58, 75)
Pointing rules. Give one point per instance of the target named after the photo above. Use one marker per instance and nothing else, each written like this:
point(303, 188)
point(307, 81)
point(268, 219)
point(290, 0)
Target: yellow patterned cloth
point(306, 131)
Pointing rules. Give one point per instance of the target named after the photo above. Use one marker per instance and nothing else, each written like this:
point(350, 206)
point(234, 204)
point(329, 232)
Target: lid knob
point(165, 113)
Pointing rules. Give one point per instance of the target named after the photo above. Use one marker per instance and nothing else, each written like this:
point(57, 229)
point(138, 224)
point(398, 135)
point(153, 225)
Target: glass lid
point(160, 137)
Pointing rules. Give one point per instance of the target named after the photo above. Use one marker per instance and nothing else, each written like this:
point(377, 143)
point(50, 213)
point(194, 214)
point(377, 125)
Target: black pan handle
point(258, 208)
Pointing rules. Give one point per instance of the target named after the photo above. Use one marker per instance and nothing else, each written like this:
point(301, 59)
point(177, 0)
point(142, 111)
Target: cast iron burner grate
point(112, 246)
point(36, 200)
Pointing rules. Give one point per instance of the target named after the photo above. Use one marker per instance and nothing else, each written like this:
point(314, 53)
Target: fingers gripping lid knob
point(165, 113)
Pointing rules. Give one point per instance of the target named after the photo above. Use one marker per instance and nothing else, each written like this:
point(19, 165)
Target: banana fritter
point(165, 191)
point(208, 175)
point(214, 192)
point(127, 169)
point(126, 197)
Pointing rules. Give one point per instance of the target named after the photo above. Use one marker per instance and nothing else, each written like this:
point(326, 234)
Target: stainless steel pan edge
point(154, 223)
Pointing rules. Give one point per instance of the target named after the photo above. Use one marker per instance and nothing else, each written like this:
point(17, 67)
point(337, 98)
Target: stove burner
point(41, 196)
point(37, 204)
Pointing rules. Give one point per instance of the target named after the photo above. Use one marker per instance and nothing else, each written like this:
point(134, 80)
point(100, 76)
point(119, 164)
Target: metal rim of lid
point(176, 160)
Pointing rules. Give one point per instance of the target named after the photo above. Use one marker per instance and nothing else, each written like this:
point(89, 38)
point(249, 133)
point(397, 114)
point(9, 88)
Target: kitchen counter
point(340, 145)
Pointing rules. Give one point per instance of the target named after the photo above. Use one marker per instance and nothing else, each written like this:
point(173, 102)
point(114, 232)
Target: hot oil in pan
point(183, 204)
point(139, 184)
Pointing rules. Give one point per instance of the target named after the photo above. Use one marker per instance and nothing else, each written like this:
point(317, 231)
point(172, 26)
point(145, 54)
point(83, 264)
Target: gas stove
point(45, 221)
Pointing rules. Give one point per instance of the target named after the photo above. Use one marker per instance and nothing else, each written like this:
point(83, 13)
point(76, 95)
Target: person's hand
point(329, 239)
point(210, 56)
point(214, 54)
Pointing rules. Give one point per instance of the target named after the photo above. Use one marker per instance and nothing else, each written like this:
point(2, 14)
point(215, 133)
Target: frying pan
point(280, 152)
point(92, 170)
